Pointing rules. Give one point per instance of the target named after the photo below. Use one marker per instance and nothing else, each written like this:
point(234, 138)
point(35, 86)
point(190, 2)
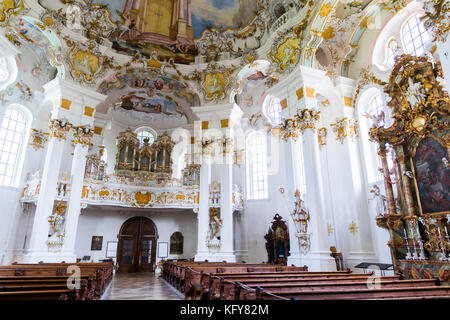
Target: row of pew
point(240, 281)
point(55, 281)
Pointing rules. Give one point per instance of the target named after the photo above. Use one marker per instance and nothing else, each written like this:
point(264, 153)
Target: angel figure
point(381, 199)
point(125, 23)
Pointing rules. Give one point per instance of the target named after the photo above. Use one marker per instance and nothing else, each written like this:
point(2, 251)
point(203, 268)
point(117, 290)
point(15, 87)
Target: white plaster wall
point(107, 223)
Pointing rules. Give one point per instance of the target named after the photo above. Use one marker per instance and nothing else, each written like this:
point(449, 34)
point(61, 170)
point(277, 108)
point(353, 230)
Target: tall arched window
point(143, 133)
point(12, 138)
point(370, 105)
point(273, 110)
point(414, 36)
point(393, 50)
point(257, 175)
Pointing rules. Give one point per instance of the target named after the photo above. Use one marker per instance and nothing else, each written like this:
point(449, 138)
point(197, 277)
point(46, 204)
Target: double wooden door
point(136, 251)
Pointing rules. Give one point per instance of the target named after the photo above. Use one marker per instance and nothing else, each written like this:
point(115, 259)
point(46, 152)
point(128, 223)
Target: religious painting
point(143, 103)
point(8, 7)
point(432, 173)
point(214, 85)
point(287, 53)
point(176, 243)
point(85, 63)
point(97, 242)
point(169, 27)
point(146, 91)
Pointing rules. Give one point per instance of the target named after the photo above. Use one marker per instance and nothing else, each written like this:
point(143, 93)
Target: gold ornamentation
point(287, 54)
point(322, 136)
point(437, 16)
point(86, 61)
point(9, 8)
point(143, 199)
point(82, 135)
point(59, 128)
point(330, 229)
point(303, 120)
point(345, 128)
point(38, 139)
point(353, 228)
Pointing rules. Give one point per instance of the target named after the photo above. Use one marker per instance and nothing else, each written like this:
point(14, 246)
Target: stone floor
point(140, 286)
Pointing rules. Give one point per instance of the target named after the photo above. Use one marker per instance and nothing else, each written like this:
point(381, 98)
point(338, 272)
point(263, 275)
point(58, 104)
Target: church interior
point(224, 150)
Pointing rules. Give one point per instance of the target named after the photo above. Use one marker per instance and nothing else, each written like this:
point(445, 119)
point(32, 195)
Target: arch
point(146, 132)
point(136, 251)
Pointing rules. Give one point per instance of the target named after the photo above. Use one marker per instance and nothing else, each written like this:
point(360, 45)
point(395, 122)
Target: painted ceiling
point(220, 14)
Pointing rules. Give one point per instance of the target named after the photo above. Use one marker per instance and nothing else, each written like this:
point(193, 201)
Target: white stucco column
point(226, 209)
point(74, 204)
point(75, 106)
point(320, 249)
point(38, 250)
point(203, 211)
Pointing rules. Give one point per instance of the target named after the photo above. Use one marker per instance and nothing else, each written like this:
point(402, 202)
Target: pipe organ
point(146, 162)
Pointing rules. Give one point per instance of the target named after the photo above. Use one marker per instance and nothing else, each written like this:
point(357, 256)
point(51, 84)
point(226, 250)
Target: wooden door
point(136, 251)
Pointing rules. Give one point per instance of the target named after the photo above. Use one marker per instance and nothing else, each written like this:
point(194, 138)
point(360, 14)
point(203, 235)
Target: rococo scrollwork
point(416, 186)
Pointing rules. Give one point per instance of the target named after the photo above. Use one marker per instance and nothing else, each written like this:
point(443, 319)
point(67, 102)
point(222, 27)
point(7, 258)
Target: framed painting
point(432, 176)
point(97, 242)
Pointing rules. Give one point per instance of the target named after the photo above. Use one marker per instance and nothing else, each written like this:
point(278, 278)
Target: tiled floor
point(140, 286)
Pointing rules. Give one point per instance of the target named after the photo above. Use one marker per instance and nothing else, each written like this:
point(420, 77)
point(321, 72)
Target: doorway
point(136, 251)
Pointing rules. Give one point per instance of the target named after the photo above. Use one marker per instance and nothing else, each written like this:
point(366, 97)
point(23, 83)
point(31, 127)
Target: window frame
point(22, 144)
point(261, 157)
point(274, 119)
point(405, 24)
point(148, 129)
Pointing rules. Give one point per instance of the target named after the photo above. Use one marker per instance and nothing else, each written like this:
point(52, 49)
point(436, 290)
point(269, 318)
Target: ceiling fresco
point(164, 27)
point(149, 92)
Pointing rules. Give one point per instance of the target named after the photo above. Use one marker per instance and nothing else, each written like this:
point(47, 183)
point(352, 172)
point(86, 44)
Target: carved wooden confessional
point(277, 241)
point(417, 185)
point(146, 162)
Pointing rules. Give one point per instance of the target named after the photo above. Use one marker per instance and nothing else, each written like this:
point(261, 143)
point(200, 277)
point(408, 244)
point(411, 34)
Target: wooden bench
point(19, 281)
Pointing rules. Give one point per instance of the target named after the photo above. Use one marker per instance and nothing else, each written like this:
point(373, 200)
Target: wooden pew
point(53, 277)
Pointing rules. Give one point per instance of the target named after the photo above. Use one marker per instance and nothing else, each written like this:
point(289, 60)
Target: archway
point(136, 251)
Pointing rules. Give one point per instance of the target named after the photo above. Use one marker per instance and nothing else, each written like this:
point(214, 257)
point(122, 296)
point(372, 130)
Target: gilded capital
point(303, 120)
point(59, 128)
point(82, 135)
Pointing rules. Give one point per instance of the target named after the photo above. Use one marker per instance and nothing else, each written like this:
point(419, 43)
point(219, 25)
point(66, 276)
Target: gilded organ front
point(144, 161)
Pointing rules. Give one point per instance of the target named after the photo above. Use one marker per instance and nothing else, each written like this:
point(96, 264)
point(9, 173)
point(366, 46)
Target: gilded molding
point(59, 128)
point(437, 18)
point(82, 135)
point(344, 128)
point(38, 139)
point(303, 120)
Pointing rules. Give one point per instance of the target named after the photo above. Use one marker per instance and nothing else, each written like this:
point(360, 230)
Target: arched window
point(143, 133)
point(12, 138)
point(414, 36)
point(273, 110)
point(393, 50)
point(370, 105)
point(257, 174)
point(376, 107)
